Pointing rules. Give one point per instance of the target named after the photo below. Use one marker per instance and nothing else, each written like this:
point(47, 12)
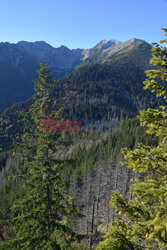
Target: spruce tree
point(142, 220)
point(43, 218)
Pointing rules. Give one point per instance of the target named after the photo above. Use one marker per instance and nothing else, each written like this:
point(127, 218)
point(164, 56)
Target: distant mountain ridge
point(19, 63)
point(108, 46)
point(106, 49)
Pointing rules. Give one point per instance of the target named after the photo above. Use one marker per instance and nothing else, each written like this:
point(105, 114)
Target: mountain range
point(104, 82)
point(19, 63)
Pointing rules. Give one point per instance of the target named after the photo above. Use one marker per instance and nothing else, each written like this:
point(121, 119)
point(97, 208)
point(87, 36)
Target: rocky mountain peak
point(105, 44)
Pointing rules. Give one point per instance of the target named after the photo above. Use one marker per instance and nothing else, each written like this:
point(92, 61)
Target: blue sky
point(81, 23)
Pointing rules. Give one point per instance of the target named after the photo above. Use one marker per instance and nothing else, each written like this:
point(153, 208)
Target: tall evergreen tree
point(142, 221)
point(42, 219)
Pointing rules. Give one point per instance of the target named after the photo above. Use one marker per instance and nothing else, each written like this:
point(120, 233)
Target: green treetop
point(43, 218)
